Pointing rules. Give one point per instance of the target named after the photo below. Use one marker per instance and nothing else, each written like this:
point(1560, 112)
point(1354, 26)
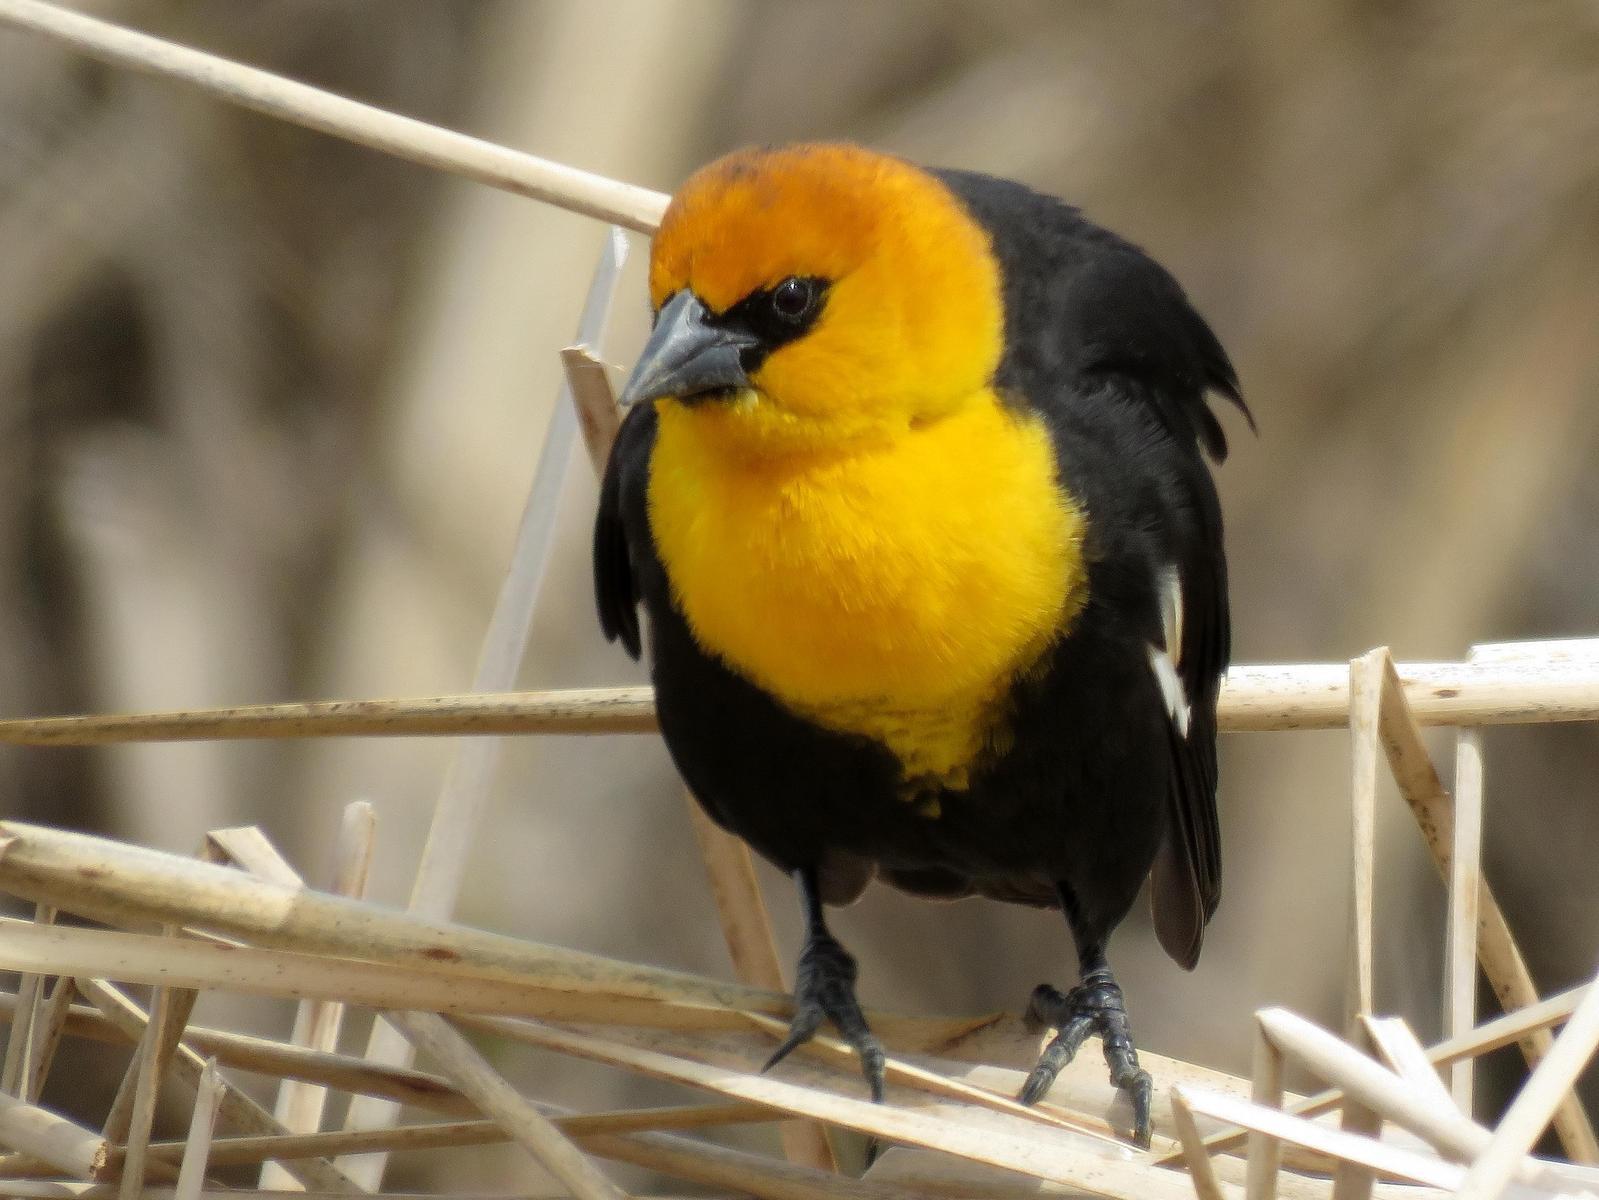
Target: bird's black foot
point(824, 986)
point(1093, 1006)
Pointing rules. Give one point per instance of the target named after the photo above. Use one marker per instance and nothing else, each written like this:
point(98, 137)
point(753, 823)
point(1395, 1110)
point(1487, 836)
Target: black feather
point(615, 590)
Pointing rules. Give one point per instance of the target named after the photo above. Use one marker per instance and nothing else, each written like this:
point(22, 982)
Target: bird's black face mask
point(695, 356)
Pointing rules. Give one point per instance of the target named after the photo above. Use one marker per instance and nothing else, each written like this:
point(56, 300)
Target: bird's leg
point(824, 986)
point(1094, 1006)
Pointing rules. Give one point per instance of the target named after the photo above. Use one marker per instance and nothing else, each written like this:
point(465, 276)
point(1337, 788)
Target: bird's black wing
point(616, 585)
point(1141, 340)
point(1101, 337)
point(1187, 873)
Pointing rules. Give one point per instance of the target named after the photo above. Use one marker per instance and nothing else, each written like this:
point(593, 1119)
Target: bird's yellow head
point(819, 297)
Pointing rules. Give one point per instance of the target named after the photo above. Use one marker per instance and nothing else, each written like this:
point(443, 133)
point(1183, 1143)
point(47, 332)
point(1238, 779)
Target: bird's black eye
point(794, 298)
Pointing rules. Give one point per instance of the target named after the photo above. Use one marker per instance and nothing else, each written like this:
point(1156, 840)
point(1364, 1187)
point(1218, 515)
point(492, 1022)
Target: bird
point(912, 491)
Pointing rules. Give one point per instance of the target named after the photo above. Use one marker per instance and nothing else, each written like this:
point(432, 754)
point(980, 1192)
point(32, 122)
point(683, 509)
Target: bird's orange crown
point(912, 325)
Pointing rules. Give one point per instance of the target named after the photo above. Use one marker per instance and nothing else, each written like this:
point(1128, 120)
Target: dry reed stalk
point(1353, 1179)
point(740, 905)
point(237, 1111)
point(1007, 1143)
point(699, 1162)
point(282, 1060)
point(1407, 1058)
point(1465, 886)
point(1496, 1034)
point(133, 1110)
point(124, 884)
point(317, 1022)
point(1375, 1155)
point(1201, 1169)
point(139, 958)
point(442, 149)
point(1266, 1090)
point(1254, 699)
point(930, 1174)
point(154, 1053)
point(196, 1149)
point(40, 1133)
point(268, 1150)
point(18, 1065)
point(1497, 951)
point(1365, 701)
point(597, 415)
point(550, 1148)
point(1540, 654)
point(251, 1150)
point(248, 848)
point(1452, 1134)
point(1534, 1106)
point(47, 1037)
point(1491, 692)
point(119, 1117)
point(163, 1036)
point(575, 711)
point(16, 1165)
point(241, 1151)
point(737, 1171)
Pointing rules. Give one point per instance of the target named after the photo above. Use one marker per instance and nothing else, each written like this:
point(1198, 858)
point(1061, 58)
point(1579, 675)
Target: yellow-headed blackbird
point(910, 488)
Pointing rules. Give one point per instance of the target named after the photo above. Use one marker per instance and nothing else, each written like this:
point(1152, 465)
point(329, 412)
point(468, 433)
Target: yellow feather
point(894, 589)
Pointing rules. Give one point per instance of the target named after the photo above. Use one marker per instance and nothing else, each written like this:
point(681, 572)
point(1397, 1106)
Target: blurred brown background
point(270, 406)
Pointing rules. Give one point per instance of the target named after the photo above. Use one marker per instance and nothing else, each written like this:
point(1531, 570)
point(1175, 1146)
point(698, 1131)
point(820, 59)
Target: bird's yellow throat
point(894, 589)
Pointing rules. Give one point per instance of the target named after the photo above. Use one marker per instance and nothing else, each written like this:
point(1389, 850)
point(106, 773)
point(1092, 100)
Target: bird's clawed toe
point(1046, 1009)
point(824, 988)
point(1094, 1006)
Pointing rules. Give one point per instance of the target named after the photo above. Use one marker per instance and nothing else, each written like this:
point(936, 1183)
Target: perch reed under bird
point(910, 487)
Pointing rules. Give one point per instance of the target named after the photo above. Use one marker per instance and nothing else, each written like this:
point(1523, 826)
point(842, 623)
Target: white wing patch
point(1170, 586)
point(1171, 687)
point(1164, 663)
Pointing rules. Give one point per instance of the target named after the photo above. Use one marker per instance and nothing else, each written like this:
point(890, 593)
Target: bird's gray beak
point(687, 357)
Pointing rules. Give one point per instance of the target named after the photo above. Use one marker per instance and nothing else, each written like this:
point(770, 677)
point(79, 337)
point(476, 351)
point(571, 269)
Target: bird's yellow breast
point(894, 591)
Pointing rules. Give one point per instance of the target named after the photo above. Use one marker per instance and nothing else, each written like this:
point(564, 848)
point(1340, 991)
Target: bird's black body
point(1094, 778)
